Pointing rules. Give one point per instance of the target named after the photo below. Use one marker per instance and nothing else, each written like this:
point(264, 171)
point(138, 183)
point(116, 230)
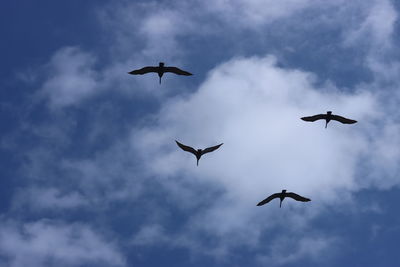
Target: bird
point(160, 70)
point(282, 196)
point(328, 117)
point(199, 152)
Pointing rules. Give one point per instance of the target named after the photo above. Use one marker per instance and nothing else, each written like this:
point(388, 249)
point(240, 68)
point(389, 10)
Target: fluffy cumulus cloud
point(254, 106)
point(48, 243)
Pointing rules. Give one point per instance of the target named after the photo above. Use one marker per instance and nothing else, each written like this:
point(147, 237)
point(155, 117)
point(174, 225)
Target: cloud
point(373, 31)
point(143, 34)
point(173, 30)
point(254, 13)
point(108, 177)
point(377, 25)
point(145, 31)
point(150, 234)
point(284, 251)
point(254, 106)
point(48, 243)
point(71, 77)
point(48, 199)
point(382, 167)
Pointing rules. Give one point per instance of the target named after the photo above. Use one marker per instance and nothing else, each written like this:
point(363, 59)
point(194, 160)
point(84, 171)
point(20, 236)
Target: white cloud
point(376, 27)
point(254, 107)
point(71, 77)
point(48, 243)
point(382, 168)
point(252, 13)
point(146, 31)
point(48, 198)
point(374, 30)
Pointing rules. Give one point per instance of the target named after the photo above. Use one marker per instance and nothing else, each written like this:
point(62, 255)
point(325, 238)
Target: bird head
point(329, 112)
point(199, 150)
point(283, 191)
point(161, 64)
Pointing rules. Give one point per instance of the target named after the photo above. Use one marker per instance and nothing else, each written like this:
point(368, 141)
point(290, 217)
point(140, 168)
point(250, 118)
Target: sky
point(90, 171)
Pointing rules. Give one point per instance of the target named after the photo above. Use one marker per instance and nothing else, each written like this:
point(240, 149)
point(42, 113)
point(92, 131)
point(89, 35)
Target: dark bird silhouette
point(282, 197)
point(160, 70)
point(328, 117)
point(199, 152)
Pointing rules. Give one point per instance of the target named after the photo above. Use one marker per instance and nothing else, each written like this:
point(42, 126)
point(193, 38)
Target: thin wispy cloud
point(48, 243)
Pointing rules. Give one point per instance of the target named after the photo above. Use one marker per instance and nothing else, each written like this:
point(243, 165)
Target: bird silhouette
point(328, 117)
point(160, 70)
point(282, 196)
point(199, 152)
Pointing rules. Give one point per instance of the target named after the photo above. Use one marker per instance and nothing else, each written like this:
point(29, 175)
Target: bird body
point(160, 70)
point(198, 152)
point(328, 117)
point(282, 196)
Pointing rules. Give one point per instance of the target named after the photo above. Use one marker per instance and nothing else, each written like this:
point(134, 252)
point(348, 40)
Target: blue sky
point(90, 172)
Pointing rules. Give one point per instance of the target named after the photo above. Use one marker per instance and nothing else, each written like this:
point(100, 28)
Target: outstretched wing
point(315, 117)
point(297, 197)
point(268, 199)
point(144, 70)
point(211, 149)
point(177, 71)
point(343, 119)
point(186, 148)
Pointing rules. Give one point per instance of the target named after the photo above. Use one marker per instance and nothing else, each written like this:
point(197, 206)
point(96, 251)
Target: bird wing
point(211, 149)
point(315, 117)
point(268, 199)
point(297, 197)
point(343, 119)
point(177, 71)
point(186, 148)
point(144, 70)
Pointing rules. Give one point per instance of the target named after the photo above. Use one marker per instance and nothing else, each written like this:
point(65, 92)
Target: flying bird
point(199, 152)
point(160, 70)
point(328, 117)
point(282, 197)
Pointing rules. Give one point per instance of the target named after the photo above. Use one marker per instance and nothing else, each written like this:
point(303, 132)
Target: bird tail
point(326, 124)
point(280, 204)
point(160, 79)
point(197, 162)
